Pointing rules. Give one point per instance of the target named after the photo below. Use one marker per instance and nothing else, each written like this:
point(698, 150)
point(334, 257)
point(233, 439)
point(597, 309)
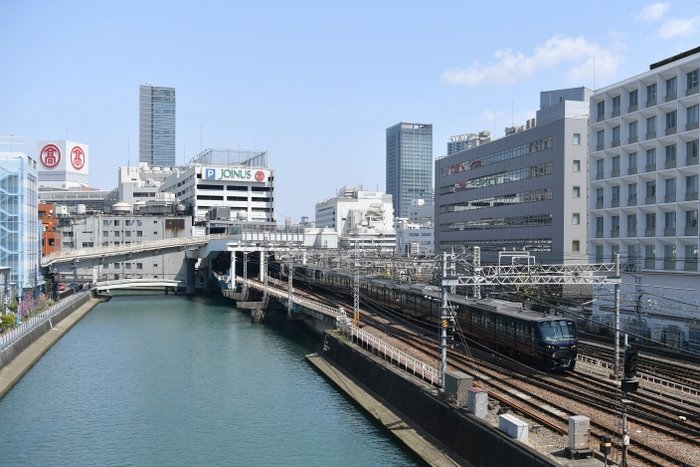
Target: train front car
point(557, 343)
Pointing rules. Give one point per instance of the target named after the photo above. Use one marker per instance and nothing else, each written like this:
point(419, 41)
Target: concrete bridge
point(106, 286)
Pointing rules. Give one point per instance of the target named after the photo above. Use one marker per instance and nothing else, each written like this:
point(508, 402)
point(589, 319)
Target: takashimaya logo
point(50, 156)
point(260, 175)
point(77, 158)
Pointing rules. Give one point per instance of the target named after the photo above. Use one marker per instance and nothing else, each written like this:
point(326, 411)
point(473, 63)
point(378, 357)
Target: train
point(535, 338)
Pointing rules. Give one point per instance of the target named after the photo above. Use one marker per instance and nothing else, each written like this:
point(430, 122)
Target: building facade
point(526, 191)
point(645, 166)
point(226, 178)
point(409, 164)
point(359, 217)
point(20, 229)
point(63, 164)
point(157, 125)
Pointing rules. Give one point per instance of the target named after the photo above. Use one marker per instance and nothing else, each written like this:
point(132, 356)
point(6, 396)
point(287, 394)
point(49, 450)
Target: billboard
point(62, 161)
point(242, 174)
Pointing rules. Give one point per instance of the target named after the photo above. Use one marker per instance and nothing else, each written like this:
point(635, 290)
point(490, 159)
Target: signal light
point(630, 362)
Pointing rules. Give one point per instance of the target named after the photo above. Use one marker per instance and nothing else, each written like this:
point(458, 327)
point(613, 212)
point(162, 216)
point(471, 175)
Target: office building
point(20, 229)
point(645, 165)
point(467, 141)
point(525, 191)
point(359, 216)
point(239, 180)
point(157, 125)
point(409, 164)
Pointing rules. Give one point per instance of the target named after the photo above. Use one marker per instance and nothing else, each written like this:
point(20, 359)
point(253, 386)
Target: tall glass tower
point(157, 125)
point(409, 164)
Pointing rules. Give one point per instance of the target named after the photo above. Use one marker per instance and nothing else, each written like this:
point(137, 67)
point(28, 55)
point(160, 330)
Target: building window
point(632, 160)
point(599, 224)
point(692, 112)
point(127, 222)
point(692, 79)
point(634, 98)
point(616, 163)
point(633, 129)
point(631, 222)
point(650, 221)
point(651, 94)
point(577, 166)
point(139, 265)
point(671, 87)
point(600, 196)
point(670, 186)
point(649, 252)
point(127, 265)
point(671, 153)
point(116, 233)
point(575, 246)
point(577, 192)
point(691, 184)
point(691, 218)
point(576, 219)
point(600, 137)
point(670, 219)
point(105, 222)
point(127, 233)
point(601, 109)
point(116, 265)
point(616, 135)
point(600, 166)
point(651, 189)
point(616, 104)
point(632, 191)
point(139, 233)
point(671, 120)
point(615, 223)
point(577, 139)
point(651, 157)
point(155, 265)
point(691, 149)
point(651, 125)
point(116, 222)
point(599, 258)
point(616, 193)
point(105, 233)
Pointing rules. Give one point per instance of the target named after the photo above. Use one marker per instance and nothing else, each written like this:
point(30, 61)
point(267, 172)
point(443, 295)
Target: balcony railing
point(670, 232)
point(631, 232)
point(691, 231)
point(670, 164)
point(669, 198)
point(649, 232)
point(692, 160)
point(692, 196)
point(669, 264)
point(649, 264)
point(632, 171)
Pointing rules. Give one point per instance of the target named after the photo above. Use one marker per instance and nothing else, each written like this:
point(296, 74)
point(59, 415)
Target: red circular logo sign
point(50, 156)
point(77, 158)
point(260, 175)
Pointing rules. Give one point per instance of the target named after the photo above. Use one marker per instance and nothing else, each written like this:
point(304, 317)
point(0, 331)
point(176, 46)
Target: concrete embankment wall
point(10, 353)
point(478, 443)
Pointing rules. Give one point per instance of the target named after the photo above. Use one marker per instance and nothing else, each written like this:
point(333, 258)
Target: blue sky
point(314, 83)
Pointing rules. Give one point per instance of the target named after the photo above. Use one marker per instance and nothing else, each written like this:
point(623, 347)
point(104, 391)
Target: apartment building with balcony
point(644, 169)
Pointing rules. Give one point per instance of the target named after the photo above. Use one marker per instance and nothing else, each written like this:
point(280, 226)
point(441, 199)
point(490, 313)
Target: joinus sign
point(244, 175)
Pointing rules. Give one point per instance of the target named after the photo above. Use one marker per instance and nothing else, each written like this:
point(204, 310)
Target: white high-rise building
point(644, 170)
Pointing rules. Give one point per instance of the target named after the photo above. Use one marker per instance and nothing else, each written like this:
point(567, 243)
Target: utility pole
point(445, 317)
point(617, 318)
point(356, 291)
point(245, 268)
point(290, 286)
point(476, 264)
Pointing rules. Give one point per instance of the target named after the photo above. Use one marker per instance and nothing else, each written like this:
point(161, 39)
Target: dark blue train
point(545, 341)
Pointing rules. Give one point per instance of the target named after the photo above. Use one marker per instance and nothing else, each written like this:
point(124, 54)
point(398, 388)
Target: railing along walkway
point(356, 335)
point(9, 338)
point(646, 381)
point(134, 247)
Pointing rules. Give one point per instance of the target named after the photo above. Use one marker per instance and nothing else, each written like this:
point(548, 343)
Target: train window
point(557, 330)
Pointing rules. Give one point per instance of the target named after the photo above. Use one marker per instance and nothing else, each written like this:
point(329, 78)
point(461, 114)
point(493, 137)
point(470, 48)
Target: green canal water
point(154, 380)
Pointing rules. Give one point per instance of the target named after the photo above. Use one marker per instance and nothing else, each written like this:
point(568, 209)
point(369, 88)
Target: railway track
point(660, 438)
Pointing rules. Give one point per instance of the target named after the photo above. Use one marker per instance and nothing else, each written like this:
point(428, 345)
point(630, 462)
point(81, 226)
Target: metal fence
point(390, 353)
point(9, 338)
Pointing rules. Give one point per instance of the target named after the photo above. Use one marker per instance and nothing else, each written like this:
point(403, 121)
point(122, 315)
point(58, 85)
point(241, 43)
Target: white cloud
point(489, 116)
point(680, 27)
point(653, 12)
point(512, 67)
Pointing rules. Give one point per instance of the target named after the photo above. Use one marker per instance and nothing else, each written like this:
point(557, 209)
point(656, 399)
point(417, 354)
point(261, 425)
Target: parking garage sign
point(242, 174)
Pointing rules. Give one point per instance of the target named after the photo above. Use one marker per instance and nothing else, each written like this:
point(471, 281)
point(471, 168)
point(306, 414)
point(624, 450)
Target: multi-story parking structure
point(526, 191)
point(644, 185)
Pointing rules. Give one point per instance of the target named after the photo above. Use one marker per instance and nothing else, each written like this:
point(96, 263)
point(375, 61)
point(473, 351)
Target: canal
point(154, 380)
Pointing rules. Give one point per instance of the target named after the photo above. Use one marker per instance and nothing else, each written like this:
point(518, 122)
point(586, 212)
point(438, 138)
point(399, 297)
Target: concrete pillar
point(189, 265)
point(232, 274)
point(262, 266)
